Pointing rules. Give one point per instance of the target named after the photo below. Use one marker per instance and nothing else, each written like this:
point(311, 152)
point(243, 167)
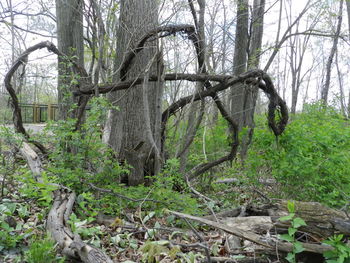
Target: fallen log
point(57, 222)
point(253, 237)
point(239, 260)
point(321, 221)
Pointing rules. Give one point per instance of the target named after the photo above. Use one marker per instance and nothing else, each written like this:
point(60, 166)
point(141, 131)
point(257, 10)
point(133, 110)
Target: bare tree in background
point(348, 12)
point(247, 53)
point(325, 88)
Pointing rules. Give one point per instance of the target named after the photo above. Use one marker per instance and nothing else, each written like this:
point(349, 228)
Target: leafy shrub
point(340, 252)
point(42, 251)
point(310, 161)
point(8, 236)
point(169, 190)
point(80, 156)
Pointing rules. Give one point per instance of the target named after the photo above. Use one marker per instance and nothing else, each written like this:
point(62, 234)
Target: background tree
point(248, 43)
point(69, 15)
point(240, 60)
point(325, 88)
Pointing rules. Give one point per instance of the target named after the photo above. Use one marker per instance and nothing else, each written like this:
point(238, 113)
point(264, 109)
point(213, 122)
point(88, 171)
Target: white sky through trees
point(41, 21)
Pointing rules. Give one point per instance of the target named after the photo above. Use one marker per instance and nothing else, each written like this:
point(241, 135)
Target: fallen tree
point(261, 225)
point(57, 222)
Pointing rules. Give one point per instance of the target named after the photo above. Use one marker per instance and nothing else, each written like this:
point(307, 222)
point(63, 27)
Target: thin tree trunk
point(195, 114)
point(348, 11)
point(325, 88)
point(341, 88)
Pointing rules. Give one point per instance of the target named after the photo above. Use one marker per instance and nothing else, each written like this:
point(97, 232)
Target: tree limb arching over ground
point(64, 198)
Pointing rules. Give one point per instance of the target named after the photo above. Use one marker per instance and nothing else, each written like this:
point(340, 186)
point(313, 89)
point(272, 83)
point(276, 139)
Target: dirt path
point(32, 128)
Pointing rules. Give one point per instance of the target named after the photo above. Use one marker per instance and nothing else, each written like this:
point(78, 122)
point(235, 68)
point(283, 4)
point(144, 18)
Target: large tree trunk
point(131, 136)
point(70, 42)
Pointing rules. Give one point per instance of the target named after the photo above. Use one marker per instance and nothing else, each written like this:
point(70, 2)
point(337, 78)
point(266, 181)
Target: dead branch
point(22, 60)
point(239, 260)
point(167, 30)
point(105, 88)
point(58, 218)
point(251, 236)
point(203, 244)
point(58, 225)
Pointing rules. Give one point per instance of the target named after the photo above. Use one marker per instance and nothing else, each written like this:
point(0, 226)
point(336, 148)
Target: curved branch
point(57, 221)
point(169, 30)
point(198, 40)
point(105, 88)
point(245, 77)
point(17, 116)
point(250, 77)
point(22, 60)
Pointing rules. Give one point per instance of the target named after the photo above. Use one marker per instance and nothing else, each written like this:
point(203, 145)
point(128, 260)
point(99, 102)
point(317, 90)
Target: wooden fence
point(38, 113)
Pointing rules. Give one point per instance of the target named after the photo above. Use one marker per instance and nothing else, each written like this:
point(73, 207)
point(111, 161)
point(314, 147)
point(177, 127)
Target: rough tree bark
point(70, 42)
point(251, 92)
point(240, 61)
point(126, 131)
point(255, 42)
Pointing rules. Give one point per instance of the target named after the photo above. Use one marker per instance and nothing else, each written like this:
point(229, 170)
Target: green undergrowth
point(310, 161)
point(79, 159)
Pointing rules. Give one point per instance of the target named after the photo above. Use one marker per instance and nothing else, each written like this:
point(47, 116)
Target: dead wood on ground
point(261, 227)
point(57, 222)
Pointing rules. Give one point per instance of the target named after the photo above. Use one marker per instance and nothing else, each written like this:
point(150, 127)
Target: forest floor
point(32, 127)
point(136, 235)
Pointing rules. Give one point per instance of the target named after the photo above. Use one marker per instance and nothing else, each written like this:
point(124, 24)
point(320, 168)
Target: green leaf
point(298, 247)
point(286, 218)
point(291, 231)
point(329, 254)
point(338, 238)
point(298, 222)
point(6, 226)
point(286, 237)
point(156, 225)
point(133, 244)
point(148, 217)
point(290, 257)
point(291, 207)
point(161, 242)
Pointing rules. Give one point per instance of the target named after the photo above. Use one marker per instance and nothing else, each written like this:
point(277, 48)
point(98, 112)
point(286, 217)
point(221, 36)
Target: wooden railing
point(39, 113)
